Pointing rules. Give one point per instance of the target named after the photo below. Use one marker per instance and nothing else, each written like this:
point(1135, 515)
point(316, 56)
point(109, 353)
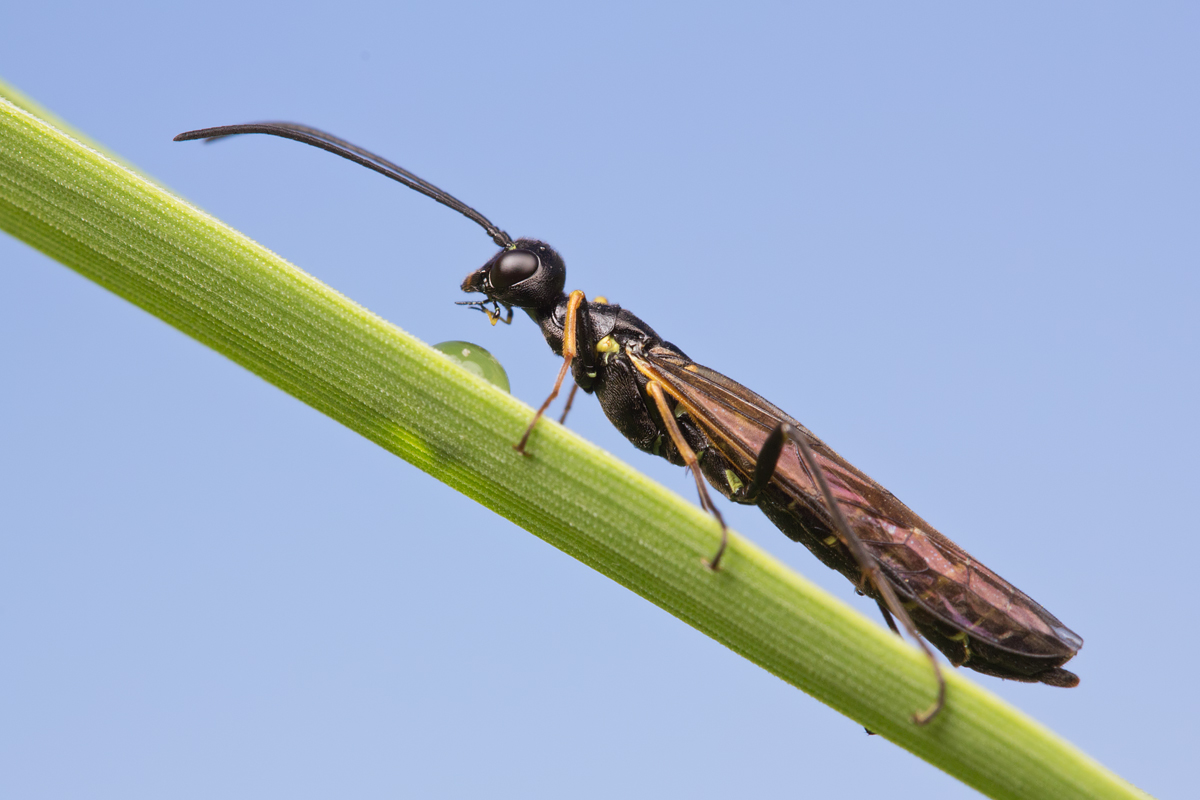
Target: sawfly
point(751, 452)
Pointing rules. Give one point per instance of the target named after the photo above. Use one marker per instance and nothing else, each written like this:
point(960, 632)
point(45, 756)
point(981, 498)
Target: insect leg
point(570, 399)
point(887, 617)
point(889, 604)
point(569, 350)
point(583, 343)
point(654, 389)
point(869, 566)
point(764, 465)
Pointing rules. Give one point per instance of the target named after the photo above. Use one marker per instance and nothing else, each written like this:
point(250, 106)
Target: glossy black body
point(751, 452)
point(963, 609)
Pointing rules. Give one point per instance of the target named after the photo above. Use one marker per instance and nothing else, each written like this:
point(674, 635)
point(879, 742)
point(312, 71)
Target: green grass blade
point(160, 253)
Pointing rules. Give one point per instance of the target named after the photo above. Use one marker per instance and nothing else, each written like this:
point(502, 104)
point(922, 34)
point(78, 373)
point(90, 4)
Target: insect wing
point(923, 565)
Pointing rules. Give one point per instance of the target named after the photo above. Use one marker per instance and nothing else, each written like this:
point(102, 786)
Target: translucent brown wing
point(922, 564)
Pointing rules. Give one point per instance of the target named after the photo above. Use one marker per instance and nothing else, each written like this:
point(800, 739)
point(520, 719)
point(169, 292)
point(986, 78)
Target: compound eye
point(512, 268)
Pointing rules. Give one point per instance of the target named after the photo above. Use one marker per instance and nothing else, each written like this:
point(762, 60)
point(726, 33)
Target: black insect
point(751, 452)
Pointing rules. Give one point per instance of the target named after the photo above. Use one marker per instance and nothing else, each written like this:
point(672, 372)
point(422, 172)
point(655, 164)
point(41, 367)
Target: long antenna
point(327, 141)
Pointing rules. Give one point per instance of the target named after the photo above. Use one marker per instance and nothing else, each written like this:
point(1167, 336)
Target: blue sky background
point(959, 243)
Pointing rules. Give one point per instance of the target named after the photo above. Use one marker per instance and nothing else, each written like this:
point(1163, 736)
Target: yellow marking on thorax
point(607, 347)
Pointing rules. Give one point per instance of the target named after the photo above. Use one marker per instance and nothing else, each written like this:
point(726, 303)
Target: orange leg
point(569, 350)
point(689, 459)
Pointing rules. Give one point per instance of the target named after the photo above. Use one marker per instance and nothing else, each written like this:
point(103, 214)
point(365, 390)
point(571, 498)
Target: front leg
point(578, 335)
point(588, 354)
